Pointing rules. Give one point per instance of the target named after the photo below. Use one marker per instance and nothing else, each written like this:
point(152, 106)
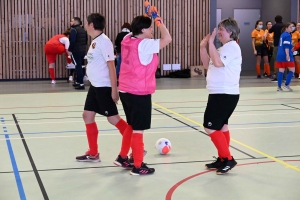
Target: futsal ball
point(163, 146)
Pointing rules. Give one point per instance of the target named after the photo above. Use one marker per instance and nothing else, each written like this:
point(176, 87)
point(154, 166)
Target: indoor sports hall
point(42, 130)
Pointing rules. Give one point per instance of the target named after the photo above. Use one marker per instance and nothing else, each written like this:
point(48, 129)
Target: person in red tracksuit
point(58, 44)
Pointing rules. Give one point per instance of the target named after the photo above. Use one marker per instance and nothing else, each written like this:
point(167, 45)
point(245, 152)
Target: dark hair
point(278, 18)
point(67, 32)
point(126, 25)
point(139, 23)
point(268, 22)
point(98, 21)
point(231, 26)
point(257, 23)
point(285, 26)
point(78, 20)
point(294, 26)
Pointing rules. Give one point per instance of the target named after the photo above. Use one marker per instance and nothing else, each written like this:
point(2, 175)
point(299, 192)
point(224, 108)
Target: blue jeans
point(118, 64)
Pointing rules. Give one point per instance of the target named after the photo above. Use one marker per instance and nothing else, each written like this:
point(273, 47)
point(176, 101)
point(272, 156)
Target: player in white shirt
point(223, 75)
point(103, 93)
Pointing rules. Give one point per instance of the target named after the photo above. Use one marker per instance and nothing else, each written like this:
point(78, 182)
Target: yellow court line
point(236, 141)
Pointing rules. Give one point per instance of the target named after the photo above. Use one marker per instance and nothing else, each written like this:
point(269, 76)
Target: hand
point(255, 52)
point(288, 58)
point(69, 53)
point(213, 36)
point(147, 9)
point(155, 16)
point(204, 42)
point(115, 95)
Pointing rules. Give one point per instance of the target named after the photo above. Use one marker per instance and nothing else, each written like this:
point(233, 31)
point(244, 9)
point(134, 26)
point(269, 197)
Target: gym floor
point(42, 132)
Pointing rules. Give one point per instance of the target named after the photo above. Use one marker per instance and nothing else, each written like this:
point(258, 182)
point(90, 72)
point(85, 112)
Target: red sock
point(121, 125)
point(268, 69)
point(258, 70)
point(137, 146)
point(51, 72)
point(227, 136)
point(92, 136)
point(126, 141)
point(220, 142)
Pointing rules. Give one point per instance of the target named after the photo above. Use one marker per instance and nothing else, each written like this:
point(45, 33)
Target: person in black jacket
point(78, 42)
point(125, 30)
point(276, 29)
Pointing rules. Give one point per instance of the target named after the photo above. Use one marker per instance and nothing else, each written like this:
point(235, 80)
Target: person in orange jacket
point(269, 44)
point(259, 49)
point(296, 49)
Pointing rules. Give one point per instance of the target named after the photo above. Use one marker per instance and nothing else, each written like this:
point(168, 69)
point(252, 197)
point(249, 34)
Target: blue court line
point(15, 169)
point(160, 127)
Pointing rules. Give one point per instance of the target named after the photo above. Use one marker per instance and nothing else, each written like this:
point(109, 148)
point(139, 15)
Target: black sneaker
point(274, 80)
point(214, 165)
point(88, 158)
point(226, 166)
point(123, 162)
point(143, 170)
point(80, 87)
point(265, 74)
point(131, 160)
point(258, 76)
point(75, 84)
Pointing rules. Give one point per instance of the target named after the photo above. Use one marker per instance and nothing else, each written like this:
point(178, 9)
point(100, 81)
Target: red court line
point(174, 187)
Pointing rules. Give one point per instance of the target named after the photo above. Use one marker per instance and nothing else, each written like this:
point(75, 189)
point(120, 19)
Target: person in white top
point(223, 75)
point(58, 44)
point(103, 93)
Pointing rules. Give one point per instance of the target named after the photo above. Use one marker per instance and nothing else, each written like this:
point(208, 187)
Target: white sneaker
point(287, 88)
point(299, 76)
point(279, 89)
point(70, 78)
point(53, 82)
point(70, 66)
point(83, 66)
point(85, 78)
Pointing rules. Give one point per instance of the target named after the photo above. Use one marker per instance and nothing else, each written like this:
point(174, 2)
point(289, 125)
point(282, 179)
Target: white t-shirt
point(225, 80)
point(146, 48)
point(65, 41)
point(100, 52)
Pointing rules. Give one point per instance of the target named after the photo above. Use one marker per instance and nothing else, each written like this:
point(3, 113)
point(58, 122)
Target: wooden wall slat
point(27, 25)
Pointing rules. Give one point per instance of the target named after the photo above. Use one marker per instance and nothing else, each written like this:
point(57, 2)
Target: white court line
point(112, 134)
point(66, 122)
point(118, 134)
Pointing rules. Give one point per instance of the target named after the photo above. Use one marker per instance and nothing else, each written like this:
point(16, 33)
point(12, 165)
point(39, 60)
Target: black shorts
point(219, 109)
point(99, 100)
point(270, 52)
point(261, 50)
point(137, 109)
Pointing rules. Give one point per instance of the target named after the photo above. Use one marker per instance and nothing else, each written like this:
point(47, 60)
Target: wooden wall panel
point(27, 25)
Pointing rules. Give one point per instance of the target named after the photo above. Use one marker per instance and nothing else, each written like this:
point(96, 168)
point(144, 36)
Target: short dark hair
point(126, 25)
point(278, 18)
point(139, 23)
point(98, 20)
point(78, 20)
